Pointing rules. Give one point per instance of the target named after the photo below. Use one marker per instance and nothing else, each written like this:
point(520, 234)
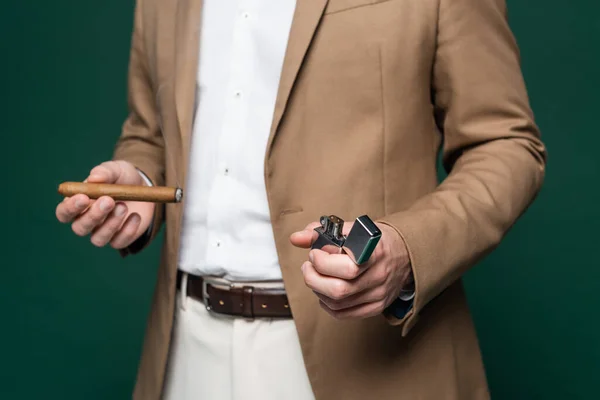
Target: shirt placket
point(237, 88)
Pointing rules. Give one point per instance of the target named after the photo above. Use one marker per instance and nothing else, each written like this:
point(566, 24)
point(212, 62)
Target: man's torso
point(353, 132)
point(226, 228)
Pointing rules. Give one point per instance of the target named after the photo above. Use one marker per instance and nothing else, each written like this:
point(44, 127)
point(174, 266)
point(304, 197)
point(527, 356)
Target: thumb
point(305, 238)
point(108, 172)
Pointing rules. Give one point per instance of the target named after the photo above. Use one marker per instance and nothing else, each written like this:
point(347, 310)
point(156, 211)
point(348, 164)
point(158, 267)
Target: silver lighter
point(360, 242)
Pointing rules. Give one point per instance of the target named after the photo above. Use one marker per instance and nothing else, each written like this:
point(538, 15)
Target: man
point(273, 113)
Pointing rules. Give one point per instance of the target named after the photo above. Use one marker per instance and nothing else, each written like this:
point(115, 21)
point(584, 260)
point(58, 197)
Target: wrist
point(402, 261)
point(407, 290)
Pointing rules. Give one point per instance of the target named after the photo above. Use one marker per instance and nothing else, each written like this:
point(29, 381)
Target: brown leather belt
point(243, 301)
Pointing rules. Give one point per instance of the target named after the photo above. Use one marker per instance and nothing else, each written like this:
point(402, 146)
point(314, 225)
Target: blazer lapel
point(187, 32)
point(306, 19)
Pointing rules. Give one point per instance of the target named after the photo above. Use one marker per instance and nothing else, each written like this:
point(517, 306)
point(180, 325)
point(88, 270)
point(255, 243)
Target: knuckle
point(95, 215)
point(92, 222)
point(352, 269)
point(379, 251)
point(380, 276)
point(378, 255)
point(95, 218)
point(318, 266)
point(98, 240)
point(117, 244)
point(79, 229)
point(102, 237)
point(309, 281)
point(108, 165)
point(339, 290)
point(315, 264)
point(60, 215)
point(101, 171)
point(68, 210)
point(128, 233)
point(109, 169)
point(379, 294)
point(120, 242)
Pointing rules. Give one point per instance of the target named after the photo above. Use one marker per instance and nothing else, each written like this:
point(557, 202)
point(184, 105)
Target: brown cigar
point(152, 194)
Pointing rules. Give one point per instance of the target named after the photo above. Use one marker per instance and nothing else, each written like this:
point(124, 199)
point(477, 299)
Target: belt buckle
point(205, 297)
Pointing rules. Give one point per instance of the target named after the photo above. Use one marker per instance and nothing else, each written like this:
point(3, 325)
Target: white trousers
point(223, 358)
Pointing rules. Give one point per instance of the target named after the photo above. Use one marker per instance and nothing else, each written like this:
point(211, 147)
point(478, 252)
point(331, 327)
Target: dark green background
point(72, 316)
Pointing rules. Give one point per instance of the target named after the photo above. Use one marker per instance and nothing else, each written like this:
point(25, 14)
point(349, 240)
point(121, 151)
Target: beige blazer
point(370, 91)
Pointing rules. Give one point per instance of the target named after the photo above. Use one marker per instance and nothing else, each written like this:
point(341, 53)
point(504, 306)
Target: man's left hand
point(347, 290)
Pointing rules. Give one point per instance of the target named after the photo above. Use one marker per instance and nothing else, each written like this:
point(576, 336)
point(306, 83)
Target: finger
point(334, 288)
point(335, 265)
point(369, 278)
point(359, 312)
point(305, 238)
point(105, 232)
point(332, 249)
point(369, 296)
point(70, 208)
point(96, 214)
point(108, 172)
point(128, 232)
point(374, 275)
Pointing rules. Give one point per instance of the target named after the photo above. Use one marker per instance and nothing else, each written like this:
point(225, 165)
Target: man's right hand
point(106, 221)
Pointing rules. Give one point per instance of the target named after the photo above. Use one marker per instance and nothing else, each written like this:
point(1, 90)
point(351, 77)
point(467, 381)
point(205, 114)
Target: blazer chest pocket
point(335, 6)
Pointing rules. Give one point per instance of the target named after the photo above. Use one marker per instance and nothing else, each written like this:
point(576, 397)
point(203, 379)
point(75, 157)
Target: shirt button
point(246, 15)
point(218, 244)
point(238, 94)
point(226, 171)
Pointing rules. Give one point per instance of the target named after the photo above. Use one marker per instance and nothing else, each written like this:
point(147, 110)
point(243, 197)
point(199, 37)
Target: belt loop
point(247, 302)
point(183, 291)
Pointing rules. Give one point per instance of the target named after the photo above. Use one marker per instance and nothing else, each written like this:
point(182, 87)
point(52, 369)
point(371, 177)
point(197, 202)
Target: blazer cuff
point(404, 302)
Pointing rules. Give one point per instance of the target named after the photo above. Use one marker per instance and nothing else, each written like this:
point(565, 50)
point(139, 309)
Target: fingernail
point(79, 203)
point(303, 267)
point(120, 210)
point(311, 256)
point(104, 204)
point(135, 219)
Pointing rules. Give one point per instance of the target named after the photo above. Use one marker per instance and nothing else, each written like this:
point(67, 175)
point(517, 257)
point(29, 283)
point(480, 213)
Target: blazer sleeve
point(492, 151)
point(141, 142)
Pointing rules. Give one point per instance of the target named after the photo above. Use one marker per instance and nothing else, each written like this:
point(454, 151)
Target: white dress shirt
point(226, 228)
